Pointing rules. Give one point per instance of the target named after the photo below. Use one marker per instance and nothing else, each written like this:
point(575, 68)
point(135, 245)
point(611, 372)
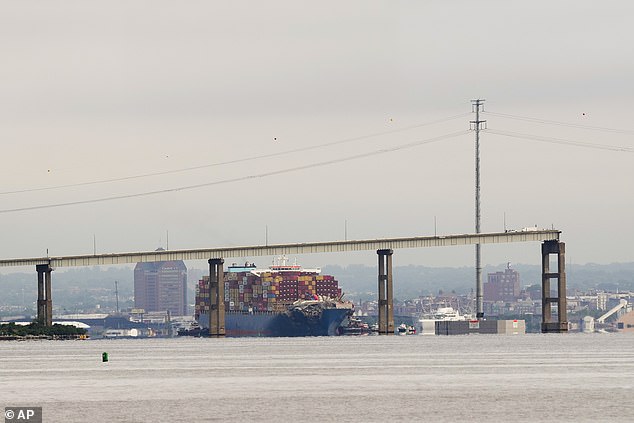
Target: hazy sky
point(96, 91)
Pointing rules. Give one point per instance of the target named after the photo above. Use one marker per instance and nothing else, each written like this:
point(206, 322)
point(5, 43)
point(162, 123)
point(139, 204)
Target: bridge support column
point(216, 298)
point(44, 298)
point(561, 325)
point(386, 299)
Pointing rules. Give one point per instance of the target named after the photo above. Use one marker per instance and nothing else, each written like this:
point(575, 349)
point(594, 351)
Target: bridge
point(383, 246)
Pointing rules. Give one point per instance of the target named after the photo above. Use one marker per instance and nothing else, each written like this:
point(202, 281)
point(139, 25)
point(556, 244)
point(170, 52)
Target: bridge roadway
point(292, 248)
point(384, 248)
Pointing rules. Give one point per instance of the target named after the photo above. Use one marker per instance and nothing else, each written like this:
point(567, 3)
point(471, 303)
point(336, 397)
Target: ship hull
point(289, 324)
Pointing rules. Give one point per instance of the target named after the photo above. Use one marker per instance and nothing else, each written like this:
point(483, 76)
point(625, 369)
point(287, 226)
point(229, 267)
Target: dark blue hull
point(280, 324)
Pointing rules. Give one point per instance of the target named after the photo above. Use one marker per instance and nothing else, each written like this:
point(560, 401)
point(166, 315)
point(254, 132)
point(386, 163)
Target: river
point(474, 378)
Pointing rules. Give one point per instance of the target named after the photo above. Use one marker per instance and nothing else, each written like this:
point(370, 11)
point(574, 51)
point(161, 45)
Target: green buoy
point(104, 357)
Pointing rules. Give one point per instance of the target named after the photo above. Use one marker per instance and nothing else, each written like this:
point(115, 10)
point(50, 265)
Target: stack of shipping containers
point(270, 291)
point(202, 297)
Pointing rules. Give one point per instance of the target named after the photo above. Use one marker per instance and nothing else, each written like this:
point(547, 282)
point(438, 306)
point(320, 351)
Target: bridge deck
point(293, 248)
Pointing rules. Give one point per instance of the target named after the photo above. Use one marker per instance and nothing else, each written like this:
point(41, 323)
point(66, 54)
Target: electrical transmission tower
point(476, 125)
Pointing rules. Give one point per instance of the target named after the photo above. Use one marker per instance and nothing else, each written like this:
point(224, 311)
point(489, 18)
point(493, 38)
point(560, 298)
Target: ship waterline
point(280, 324)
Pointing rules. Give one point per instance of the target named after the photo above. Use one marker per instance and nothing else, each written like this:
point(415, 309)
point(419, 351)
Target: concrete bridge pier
point(216, 298)
point(44, 299)
point(386, 299)
point(561, 325)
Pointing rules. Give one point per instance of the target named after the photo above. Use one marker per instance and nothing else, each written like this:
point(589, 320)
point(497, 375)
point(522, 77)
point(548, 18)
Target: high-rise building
point(502, 286)
point(161, 286)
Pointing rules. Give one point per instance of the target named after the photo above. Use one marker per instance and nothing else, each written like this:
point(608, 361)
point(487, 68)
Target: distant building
point(602, 301)
point(161, 286)
point(502, 286)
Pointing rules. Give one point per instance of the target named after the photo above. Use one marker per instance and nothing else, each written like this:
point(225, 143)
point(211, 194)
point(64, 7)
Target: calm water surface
point(573, 377)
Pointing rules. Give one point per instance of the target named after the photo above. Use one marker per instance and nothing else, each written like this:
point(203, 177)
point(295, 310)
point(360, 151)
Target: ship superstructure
point(442, 314)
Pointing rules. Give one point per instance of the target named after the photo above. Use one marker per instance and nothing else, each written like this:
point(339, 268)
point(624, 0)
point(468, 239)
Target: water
point(572, 377)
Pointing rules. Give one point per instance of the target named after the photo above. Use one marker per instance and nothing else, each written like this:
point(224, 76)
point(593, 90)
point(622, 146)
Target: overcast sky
point(108, 90)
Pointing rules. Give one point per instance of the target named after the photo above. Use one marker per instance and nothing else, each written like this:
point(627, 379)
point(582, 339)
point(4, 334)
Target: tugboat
point(404, 329)
point(192, 330)
point(355, 326)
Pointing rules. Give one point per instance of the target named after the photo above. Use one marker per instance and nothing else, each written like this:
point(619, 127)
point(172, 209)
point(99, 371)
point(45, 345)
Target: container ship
point(281, 300)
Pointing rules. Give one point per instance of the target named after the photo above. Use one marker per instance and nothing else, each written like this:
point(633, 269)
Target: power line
point(570, 125)
point(241, 178)
point(553, 140)
point(240, 160)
